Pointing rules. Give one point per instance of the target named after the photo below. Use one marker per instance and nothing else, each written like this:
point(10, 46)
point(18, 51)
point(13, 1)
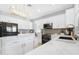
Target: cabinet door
point(37, 40)
point(59, 21)
point(0, 45)
point(70, 16)
point(12, 50)
point(24, 48)
point(27, 46)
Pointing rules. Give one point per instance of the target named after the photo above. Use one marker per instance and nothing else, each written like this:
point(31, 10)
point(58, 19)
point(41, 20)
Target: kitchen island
point(57, 46)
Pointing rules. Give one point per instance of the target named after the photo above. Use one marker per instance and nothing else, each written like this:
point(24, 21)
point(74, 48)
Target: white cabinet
point(0, 46)
point(70, 16)
point(76, 15)
point(10, 45)
point(76, 18)
point(17, 45)
point(27, 46)
point(21, 23)
point(58, 21)
point(12, 50)
point(38, 40)
point(27, 42)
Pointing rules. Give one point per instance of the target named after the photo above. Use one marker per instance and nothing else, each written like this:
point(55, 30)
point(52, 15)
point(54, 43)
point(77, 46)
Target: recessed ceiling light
point(38, 10)
point(29, 5)
point(53, 4)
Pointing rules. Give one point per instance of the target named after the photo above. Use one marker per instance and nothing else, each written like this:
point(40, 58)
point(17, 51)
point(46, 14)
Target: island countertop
point(57, 47)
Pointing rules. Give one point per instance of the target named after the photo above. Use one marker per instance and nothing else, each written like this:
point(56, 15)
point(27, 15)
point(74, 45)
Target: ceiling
point(33, 11)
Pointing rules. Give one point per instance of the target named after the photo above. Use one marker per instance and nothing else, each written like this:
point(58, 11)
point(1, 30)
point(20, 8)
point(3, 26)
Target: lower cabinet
point(17, 49)
point(12, 50)
point(17, 45)
point(26, 47)
point(0, 46)
point(37, 41)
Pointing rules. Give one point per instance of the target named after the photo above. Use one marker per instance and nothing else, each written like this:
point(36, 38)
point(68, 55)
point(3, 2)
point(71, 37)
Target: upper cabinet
point(58, 21)
point(22, 23)
point(72, 16)
point(70, 19)
point(76, 15)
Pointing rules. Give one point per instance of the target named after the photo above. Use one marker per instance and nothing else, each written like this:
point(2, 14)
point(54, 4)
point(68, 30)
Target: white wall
point(58, 21)
point(22, 23)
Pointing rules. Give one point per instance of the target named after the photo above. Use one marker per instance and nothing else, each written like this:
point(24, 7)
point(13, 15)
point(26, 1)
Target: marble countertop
point(57, 47)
